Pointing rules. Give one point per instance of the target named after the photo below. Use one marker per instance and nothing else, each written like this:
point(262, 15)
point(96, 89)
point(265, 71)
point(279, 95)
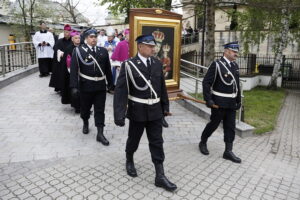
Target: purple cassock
point(121, 52)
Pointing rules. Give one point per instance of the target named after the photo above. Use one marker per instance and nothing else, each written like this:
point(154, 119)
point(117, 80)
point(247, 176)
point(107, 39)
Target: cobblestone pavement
point(44, 155)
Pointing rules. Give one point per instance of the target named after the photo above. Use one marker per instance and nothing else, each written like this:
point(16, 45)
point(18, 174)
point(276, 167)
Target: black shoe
point(85, 129)
point(130, 168)
point(77, 111)
point(161, 180)
point(41, 75)
point(101, 138)
point(203, 148)
point(229, 155)
point(164, 122)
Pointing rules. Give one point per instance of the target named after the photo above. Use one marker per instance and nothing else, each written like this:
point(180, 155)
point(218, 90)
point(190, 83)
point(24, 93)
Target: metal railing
point(247, 63)
point(16, 56)
point(251, 64)
point(191, 77)
point(189, 39)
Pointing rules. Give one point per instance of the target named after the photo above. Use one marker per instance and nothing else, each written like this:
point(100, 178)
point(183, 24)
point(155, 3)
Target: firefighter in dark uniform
point(141, 87)
point(221, 87)
point(90, 78)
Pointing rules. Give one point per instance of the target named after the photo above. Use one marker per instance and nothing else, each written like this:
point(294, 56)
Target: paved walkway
point(44, 155)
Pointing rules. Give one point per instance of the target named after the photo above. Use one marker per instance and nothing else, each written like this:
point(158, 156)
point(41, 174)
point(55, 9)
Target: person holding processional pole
point(221, 87)
point(141, 86)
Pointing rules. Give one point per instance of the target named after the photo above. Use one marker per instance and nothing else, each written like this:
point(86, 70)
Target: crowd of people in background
point(54, 55)
point(189, 31)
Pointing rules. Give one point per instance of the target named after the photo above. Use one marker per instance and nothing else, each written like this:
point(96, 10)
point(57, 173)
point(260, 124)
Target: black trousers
point(45, 65)
point(87, 99)
point(66, 90)
point(75, 102)
point(154, 134)
point(228, 117)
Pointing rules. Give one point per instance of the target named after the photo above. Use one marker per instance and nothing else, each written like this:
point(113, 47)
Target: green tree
point(25, 10)
point(277, 18)
point(210, 31)
point(121, 6)
point(26, 15)
point(70, 13)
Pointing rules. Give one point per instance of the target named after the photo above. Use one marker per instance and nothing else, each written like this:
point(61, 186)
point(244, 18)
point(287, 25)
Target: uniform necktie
point(148, 65)
point(93, 52)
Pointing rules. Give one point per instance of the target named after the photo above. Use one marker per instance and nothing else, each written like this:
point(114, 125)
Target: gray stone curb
point(242, 129)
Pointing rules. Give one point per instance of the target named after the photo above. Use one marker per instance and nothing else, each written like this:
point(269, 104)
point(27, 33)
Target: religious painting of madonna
point(167, 34)
point(164, 37)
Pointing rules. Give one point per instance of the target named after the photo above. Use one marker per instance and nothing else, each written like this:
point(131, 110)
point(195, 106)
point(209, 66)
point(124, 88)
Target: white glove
point(60, 54)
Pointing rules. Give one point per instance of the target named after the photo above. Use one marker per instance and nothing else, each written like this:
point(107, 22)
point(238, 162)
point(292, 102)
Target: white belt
point(144, 101)
point(233, 95)
point(92, 78)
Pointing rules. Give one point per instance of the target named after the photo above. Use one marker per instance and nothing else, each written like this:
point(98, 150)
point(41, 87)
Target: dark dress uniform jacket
point(213, 81)
point(139, 111)
point(85, 85)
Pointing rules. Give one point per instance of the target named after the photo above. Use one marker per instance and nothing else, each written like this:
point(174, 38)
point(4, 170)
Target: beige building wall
point(188, 17)
point(5, 30)
point(223, 35)
point(222, 20)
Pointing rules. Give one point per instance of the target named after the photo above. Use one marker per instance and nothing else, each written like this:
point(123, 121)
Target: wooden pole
point(195, 100)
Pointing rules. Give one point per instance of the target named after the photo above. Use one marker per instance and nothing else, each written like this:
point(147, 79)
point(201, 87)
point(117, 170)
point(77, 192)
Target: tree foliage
point(121, 6)
point(27, 14)
point(24, 13)
point(278, 19)
point(69, 12)
point(263, 18)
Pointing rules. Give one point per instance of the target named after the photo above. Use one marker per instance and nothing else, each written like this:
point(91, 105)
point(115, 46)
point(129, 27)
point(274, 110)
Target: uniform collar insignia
point(138, 61)
point(86, 49)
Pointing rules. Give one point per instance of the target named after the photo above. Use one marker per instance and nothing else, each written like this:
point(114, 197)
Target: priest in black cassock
point(60, 47)
point(66, 64)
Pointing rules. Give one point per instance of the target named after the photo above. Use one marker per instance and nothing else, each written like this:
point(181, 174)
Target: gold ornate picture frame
point(165, 26)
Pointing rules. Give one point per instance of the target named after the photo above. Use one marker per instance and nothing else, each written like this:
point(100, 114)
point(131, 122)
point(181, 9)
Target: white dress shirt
point(144, 59)
point(91, 48)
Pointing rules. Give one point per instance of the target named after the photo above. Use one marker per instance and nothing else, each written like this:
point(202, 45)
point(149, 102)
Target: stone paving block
point(41, 195)
point(4, 192)
point(55, 160)
point(254, 197)
point(63, 197)
point(30, 198)
point(280, 196)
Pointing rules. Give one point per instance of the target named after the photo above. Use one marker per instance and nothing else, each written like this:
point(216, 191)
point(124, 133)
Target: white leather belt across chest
point(136, 99)
point(234, 83)
point(144, 101)
point(92, 78)
point(94, 62)
point(233, 95)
